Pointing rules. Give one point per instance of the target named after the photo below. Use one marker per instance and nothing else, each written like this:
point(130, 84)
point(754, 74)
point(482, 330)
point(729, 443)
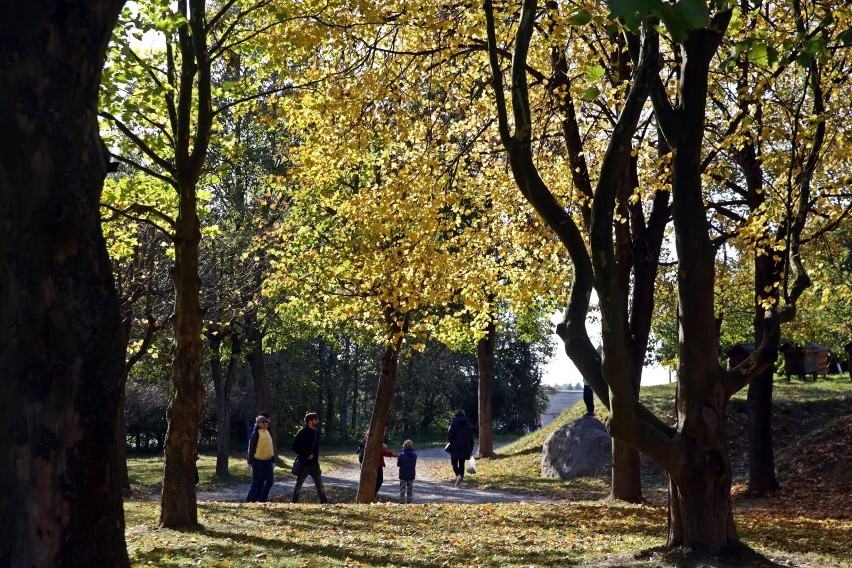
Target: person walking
point(380, 475)
point(260, 461)
point(266, 415)
point(385, 453)
point(407, 463)
point(460, 437)
point(306, 447)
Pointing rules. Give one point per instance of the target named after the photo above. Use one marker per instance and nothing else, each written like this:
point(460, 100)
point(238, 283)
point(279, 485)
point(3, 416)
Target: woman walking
point(460, 437)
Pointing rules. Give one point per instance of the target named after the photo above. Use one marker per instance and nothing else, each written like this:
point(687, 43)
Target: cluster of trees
point(338, 379)
point(298, 181)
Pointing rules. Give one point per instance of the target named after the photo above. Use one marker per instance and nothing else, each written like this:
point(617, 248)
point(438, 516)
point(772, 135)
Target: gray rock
point(582, 447)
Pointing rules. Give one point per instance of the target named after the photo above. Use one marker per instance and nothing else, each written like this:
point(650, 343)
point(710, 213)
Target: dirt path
point(429, 487)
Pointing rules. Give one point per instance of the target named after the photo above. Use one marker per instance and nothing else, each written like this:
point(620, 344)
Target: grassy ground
point(807, 523)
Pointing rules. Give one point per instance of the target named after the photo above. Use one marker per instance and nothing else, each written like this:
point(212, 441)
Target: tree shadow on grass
point(681, 557)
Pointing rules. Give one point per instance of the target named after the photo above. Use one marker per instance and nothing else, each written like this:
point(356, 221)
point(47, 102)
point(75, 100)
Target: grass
point(807, 523)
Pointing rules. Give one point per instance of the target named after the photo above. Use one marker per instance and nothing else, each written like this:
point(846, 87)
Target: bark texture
point(192, 126)
point(61, 339)
point(381, 407)
point(485, 359)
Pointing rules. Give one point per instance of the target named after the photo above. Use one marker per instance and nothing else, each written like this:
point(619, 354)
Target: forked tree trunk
point(485, 360)
point(61, 340)
point(192, 127)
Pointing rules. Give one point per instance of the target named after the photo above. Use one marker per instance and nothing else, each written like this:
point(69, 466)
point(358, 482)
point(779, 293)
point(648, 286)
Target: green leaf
point(694, 13)
point(590, 94)
point(814, 45)
point(580, 18)
point(594, 72)
point(846, 38)
point(632, 11)
point(804, 60)
point(758, 54)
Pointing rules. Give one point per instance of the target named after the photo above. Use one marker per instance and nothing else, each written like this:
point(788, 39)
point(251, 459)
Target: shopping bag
point(471, 465)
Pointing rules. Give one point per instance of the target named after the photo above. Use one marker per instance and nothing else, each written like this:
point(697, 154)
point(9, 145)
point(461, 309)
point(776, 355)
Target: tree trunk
point(700, 505)
point(61, 340)
point(626, 476)
point(122, 477)
point(700, 514)
point(343, 388)
point(178, 504)
point(381, 410)
point(222, 384)
point(761, 457)
point(485, 359)
point(257, 364)
point(215, 340)
point(626, 465)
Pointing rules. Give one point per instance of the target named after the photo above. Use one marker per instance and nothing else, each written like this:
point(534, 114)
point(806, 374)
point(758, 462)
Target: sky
point(560, 370)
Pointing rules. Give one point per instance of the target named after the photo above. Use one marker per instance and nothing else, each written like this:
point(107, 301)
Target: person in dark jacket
point(460, 437)
point(306, 448)
point(407, 462)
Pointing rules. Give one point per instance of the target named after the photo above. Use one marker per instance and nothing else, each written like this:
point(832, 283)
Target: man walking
point(306, 448)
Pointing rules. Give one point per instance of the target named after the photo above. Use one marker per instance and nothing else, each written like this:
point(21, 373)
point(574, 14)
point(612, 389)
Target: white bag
point(471, 465)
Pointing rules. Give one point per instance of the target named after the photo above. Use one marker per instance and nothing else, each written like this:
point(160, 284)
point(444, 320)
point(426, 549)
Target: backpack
point(361, 445)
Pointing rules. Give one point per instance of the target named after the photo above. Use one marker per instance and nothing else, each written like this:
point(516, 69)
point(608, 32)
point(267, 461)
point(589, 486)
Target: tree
point(61, 340)
point(160, 110)
point(585, 77)
point(780, 127)
point(694, 452)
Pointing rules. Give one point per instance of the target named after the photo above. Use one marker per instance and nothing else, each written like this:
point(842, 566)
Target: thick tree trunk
point(626, 466)
point(700, 514)
point(61, 340)
point(381, 410)
point(700, 505)
point(178, 505)
point(485, 360)
point(626, 473)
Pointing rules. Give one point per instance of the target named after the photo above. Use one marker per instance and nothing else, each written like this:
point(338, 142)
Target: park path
point(431, 486)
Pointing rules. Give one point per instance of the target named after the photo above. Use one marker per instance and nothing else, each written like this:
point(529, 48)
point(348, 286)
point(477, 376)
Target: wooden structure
point(738, 352)
point(803, 360)
point(848, 348)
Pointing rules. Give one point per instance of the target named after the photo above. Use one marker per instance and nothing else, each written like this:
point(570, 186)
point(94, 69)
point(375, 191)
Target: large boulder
point(582, 447)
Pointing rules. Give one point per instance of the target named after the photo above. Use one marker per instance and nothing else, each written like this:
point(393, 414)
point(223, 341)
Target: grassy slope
point(808, 523)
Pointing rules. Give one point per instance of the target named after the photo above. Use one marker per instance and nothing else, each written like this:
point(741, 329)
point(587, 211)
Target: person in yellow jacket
point(261, 461)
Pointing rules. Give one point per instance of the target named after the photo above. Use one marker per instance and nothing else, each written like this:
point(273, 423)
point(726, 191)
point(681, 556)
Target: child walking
point(407, 462)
